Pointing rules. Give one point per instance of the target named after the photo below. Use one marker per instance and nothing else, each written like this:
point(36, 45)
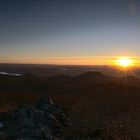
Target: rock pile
point(41, 121)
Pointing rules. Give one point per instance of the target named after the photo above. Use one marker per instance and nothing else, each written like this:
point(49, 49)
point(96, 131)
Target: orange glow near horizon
point(125, 62)
point(125, 65)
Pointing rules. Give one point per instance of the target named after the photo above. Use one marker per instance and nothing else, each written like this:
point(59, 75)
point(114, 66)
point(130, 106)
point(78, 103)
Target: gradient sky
point(68, 31)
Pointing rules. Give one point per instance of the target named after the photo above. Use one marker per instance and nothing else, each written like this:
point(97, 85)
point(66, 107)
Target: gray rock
point(41, 121)
point(1, 125)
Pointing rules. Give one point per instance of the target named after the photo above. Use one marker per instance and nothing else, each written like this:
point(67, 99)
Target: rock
point(1, 125)
point(41, 121)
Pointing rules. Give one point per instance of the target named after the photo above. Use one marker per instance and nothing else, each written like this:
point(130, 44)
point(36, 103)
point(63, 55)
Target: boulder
point(40, 121)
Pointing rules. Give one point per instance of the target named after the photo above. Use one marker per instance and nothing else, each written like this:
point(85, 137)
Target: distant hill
point(64, 83)
point(130, 80)
point(95, 77)
point(92, 74)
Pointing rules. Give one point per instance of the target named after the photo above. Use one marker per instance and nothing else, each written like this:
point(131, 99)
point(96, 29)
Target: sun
point(125, 62)
point(125, 65)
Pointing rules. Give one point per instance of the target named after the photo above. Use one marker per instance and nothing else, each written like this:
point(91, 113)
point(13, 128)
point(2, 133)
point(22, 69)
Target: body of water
point(12, 74)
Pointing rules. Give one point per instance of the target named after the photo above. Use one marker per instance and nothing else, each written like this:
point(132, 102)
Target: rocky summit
point(40, 121)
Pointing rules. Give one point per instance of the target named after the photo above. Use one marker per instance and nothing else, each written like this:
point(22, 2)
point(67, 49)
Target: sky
point(68, 31)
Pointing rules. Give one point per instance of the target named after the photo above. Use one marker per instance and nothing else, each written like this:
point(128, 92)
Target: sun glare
point(124, 62)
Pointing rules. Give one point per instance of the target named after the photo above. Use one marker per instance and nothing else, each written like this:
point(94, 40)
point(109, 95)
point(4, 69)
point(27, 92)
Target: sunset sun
point(124, 62)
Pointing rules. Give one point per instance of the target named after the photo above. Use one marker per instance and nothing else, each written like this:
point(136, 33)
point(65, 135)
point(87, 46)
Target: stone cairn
point(41, 121)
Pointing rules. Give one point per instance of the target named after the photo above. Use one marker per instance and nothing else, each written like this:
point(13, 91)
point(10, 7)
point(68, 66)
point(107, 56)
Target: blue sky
point(50, 31)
